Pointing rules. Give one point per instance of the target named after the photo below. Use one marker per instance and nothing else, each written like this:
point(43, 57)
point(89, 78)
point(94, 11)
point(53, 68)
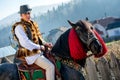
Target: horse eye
point(91, 28)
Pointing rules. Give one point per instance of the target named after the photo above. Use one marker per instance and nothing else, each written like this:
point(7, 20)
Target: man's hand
point(49, 45)
point(42, 48)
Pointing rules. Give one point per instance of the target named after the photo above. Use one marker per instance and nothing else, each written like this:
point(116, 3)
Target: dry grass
point(113, 47)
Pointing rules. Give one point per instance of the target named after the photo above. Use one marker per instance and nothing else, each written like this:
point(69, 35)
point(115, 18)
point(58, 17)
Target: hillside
point(76, 10)
point(58, 16)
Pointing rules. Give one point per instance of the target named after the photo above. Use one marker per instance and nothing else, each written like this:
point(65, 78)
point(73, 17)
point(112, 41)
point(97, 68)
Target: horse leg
point(68, 73)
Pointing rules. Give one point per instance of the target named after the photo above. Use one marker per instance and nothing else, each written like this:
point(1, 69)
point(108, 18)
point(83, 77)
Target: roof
point(54, 31)
point(113, 25)
point(7, 51)
point(105, 21)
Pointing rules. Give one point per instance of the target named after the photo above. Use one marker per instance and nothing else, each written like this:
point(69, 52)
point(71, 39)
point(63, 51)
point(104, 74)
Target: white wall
point(114, 32)
point(101, 28)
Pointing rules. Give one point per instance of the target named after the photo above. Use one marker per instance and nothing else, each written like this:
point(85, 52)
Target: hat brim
point(24, 11)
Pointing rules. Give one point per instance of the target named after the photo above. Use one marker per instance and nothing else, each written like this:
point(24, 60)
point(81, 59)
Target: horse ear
point(72, 24)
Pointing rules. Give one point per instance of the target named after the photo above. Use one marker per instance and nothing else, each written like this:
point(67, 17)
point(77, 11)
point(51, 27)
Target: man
point(30, 42)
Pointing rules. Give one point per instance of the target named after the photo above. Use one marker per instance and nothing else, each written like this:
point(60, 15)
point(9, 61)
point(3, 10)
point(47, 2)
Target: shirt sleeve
point(24, 40)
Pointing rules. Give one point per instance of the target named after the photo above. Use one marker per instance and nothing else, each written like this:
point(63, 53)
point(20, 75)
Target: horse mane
point(62, 48)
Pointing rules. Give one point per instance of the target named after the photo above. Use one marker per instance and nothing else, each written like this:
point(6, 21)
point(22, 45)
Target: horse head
point(85, 32)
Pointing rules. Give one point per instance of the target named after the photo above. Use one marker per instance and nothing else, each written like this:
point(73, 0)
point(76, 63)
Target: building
point(8, 52)
point(100, 29)
point(55, 33)
point(107, 27)
point(113, 29)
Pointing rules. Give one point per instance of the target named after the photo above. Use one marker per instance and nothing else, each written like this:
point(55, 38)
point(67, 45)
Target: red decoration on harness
point(77, 50)
point(104, 47)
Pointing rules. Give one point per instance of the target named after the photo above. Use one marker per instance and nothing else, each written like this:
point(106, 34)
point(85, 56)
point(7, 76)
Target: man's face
point(26, 16)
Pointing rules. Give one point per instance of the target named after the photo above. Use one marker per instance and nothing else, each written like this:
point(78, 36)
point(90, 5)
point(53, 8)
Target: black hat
point(24, 9)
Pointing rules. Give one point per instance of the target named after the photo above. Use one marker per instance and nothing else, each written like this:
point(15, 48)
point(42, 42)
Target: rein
point(90, 41)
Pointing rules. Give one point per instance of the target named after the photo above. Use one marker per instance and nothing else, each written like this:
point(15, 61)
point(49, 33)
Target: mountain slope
point(39, 10)
point(74, 11)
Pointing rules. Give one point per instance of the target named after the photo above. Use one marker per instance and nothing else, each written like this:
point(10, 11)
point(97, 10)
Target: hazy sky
point(8, 7)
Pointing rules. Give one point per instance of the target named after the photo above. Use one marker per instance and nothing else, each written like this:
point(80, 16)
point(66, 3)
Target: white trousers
point(44, 63)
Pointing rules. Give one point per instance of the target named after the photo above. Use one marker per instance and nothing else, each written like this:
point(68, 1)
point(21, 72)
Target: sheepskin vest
point(32, 32)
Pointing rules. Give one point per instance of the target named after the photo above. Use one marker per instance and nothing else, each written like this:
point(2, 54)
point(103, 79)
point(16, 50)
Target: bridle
point(89, 40)
point(91, 37)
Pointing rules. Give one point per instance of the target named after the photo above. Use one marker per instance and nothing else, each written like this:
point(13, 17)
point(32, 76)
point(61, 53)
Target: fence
point(104, 68)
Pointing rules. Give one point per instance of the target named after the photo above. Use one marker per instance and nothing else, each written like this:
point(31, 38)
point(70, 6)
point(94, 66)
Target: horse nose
point(96, 47)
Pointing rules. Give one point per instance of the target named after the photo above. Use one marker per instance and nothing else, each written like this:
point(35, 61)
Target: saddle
point(30, 72)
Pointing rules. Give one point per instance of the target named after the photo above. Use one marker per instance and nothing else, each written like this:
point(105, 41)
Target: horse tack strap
point(72, 64)
point(22, 76)
point(25, 67)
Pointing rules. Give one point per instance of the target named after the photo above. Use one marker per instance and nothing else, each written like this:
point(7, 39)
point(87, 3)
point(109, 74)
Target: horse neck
point(61, 47)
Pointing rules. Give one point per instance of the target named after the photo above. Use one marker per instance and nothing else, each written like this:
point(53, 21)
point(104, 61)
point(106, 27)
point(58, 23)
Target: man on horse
point(30, 42)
